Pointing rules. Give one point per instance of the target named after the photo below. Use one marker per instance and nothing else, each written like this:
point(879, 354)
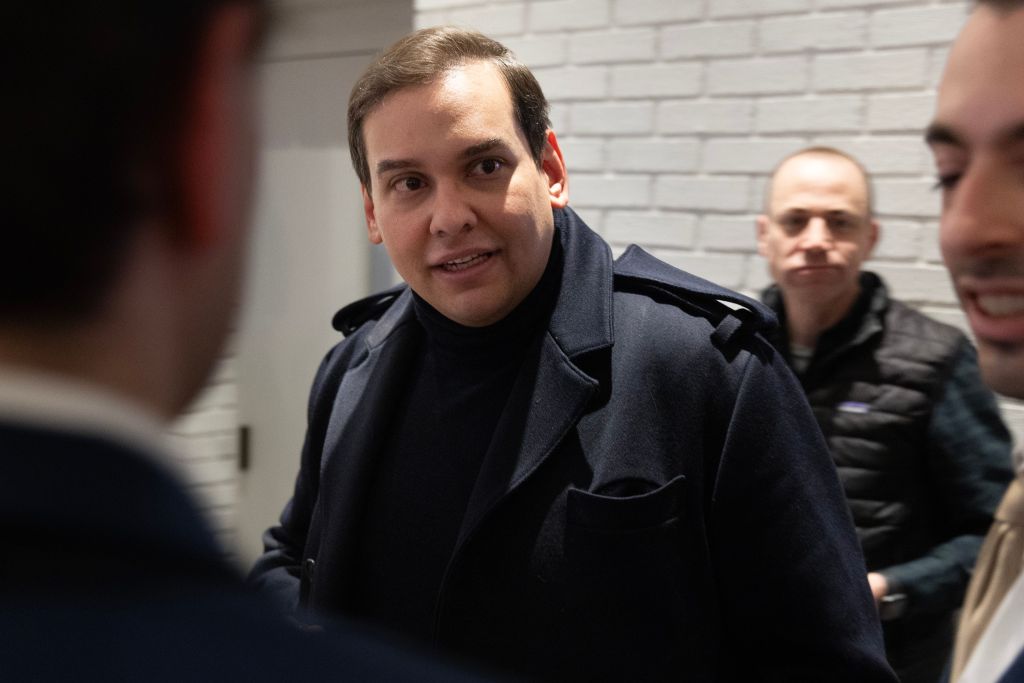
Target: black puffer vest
point(872, 383)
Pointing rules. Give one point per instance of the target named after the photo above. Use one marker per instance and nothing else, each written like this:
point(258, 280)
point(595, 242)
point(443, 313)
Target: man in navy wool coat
point(534, 456)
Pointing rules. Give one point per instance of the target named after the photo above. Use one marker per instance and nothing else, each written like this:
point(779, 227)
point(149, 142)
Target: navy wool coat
point(657, 503)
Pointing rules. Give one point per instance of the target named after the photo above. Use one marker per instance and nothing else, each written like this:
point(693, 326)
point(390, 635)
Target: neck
point(808, 316)
point(87, 354)
point(126, 347)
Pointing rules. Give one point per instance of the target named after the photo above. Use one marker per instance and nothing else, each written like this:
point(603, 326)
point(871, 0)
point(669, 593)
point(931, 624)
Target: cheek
point(949, 245)
point(778, 249)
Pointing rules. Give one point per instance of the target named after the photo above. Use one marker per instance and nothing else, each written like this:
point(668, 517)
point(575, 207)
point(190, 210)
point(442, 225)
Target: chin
point(1002, 367)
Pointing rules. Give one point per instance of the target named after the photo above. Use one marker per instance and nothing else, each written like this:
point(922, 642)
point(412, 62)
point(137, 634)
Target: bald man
point(921, 451)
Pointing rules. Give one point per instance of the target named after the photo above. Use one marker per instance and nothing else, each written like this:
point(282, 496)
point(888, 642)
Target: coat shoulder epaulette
point(356, 314)
point(733, 314)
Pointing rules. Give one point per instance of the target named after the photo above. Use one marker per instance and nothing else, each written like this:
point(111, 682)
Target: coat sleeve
point(791, 577)
point(278, 571)
point(969, 468)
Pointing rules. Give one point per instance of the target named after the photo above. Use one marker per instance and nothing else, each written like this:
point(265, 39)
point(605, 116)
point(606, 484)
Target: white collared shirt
point(58, 403)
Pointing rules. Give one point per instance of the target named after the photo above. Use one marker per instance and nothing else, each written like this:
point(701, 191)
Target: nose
point(452, 212)
point(983, 212)
point(816, 235)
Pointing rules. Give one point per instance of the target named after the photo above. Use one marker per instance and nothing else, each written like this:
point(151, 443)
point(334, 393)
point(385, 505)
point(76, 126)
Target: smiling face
point(457, 199)
point(977, 139)
point(817, 231)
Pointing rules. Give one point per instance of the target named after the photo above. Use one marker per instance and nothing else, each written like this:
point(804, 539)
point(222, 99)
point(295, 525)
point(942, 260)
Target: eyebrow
point(392, 165)
point(941, 134)
point(386, 165)
point(481, 147)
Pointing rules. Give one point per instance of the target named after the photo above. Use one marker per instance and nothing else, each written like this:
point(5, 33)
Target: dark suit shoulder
point(733, 316)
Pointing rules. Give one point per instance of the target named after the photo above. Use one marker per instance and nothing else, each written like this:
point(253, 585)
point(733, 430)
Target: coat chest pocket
point(634, 513)
point(628, 572)
point(620, 538)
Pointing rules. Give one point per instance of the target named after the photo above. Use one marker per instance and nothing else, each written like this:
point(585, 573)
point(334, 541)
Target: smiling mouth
point(456, 265)
point(1000, 305)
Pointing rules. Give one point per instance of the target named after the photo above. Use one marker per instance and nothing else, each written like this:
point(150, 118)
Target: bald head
point(827, 156)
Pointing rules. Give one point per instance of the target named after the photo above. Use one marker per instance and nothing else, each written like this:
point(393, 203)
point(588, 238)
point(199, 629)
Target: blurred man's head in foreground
point(977, 138)
point(126, 182)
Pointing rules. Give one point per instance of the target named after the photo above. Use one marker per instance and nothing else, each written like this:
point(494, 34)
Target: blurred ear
point(553, 166)
point(217, 139)
point(872, 237)
point(372, 231)
point(762, 235)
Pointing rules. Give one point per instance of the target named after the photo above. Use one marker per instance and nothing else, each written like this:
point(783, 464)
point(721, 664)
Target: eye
point(946, 181)
point(792, 223)
point(486, 167)
point(407, 184)
point(839, 222)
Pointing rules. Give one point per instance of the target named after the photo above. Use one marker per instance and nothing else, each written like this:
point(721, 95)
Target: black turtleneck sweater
point(428, 465)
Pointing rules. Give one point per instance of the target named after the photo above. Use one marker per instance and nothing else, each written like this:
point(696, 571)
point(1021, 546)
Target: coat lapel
point(551, 391)
point(363, 408)
point(547, 400)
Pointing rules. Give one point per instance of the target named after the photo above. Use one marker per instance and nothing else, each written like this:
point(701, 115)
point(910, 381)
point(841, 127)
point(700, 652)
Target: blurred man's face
point(457, 199)
point(817, 231)
point(977, 140)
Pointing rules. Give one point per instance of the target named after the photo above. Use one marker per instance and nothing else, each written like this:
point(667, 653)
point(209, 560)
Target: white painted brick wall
point(933, 25)
point(707, 39)
point(657, 80)
point(832, 31)
point(870, 71)
point(629, 45)
point(757, 76)
point(809, 113)
point(654, 155)
point(206, 439)
point(743, 8)
point(671, 113)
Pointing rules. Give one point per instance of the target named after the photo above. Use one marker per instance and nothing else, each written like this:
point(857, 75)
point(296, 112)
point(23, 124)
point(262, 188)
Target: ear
point(553, 166)
point(762, 235)
point(217, 134)
point(372, 230)
point(872, 237)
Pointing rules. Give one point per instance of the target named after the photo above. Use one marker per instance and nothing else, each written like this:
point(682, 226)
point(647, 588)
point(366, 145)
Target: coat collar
point(863, 321)
point(582, 320)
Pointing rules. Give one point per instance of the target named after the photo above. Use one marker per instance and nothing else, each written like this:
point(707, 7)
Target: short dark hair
point(419, 58)
point(1002, 5)
point(822, 150)
point(95, 94)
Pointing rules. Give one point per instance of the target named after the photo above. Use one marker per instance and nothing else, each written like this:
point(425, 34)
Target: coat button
point(309, 567)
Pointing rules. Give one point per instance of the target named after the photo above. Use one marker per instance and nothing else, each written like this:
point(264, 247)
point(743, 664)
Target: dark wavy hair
point(94, 95)
point(422, 56)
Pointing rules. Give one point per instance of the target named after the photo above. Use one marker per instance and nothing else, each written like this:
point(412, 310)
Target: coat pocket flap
point(642, 511)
